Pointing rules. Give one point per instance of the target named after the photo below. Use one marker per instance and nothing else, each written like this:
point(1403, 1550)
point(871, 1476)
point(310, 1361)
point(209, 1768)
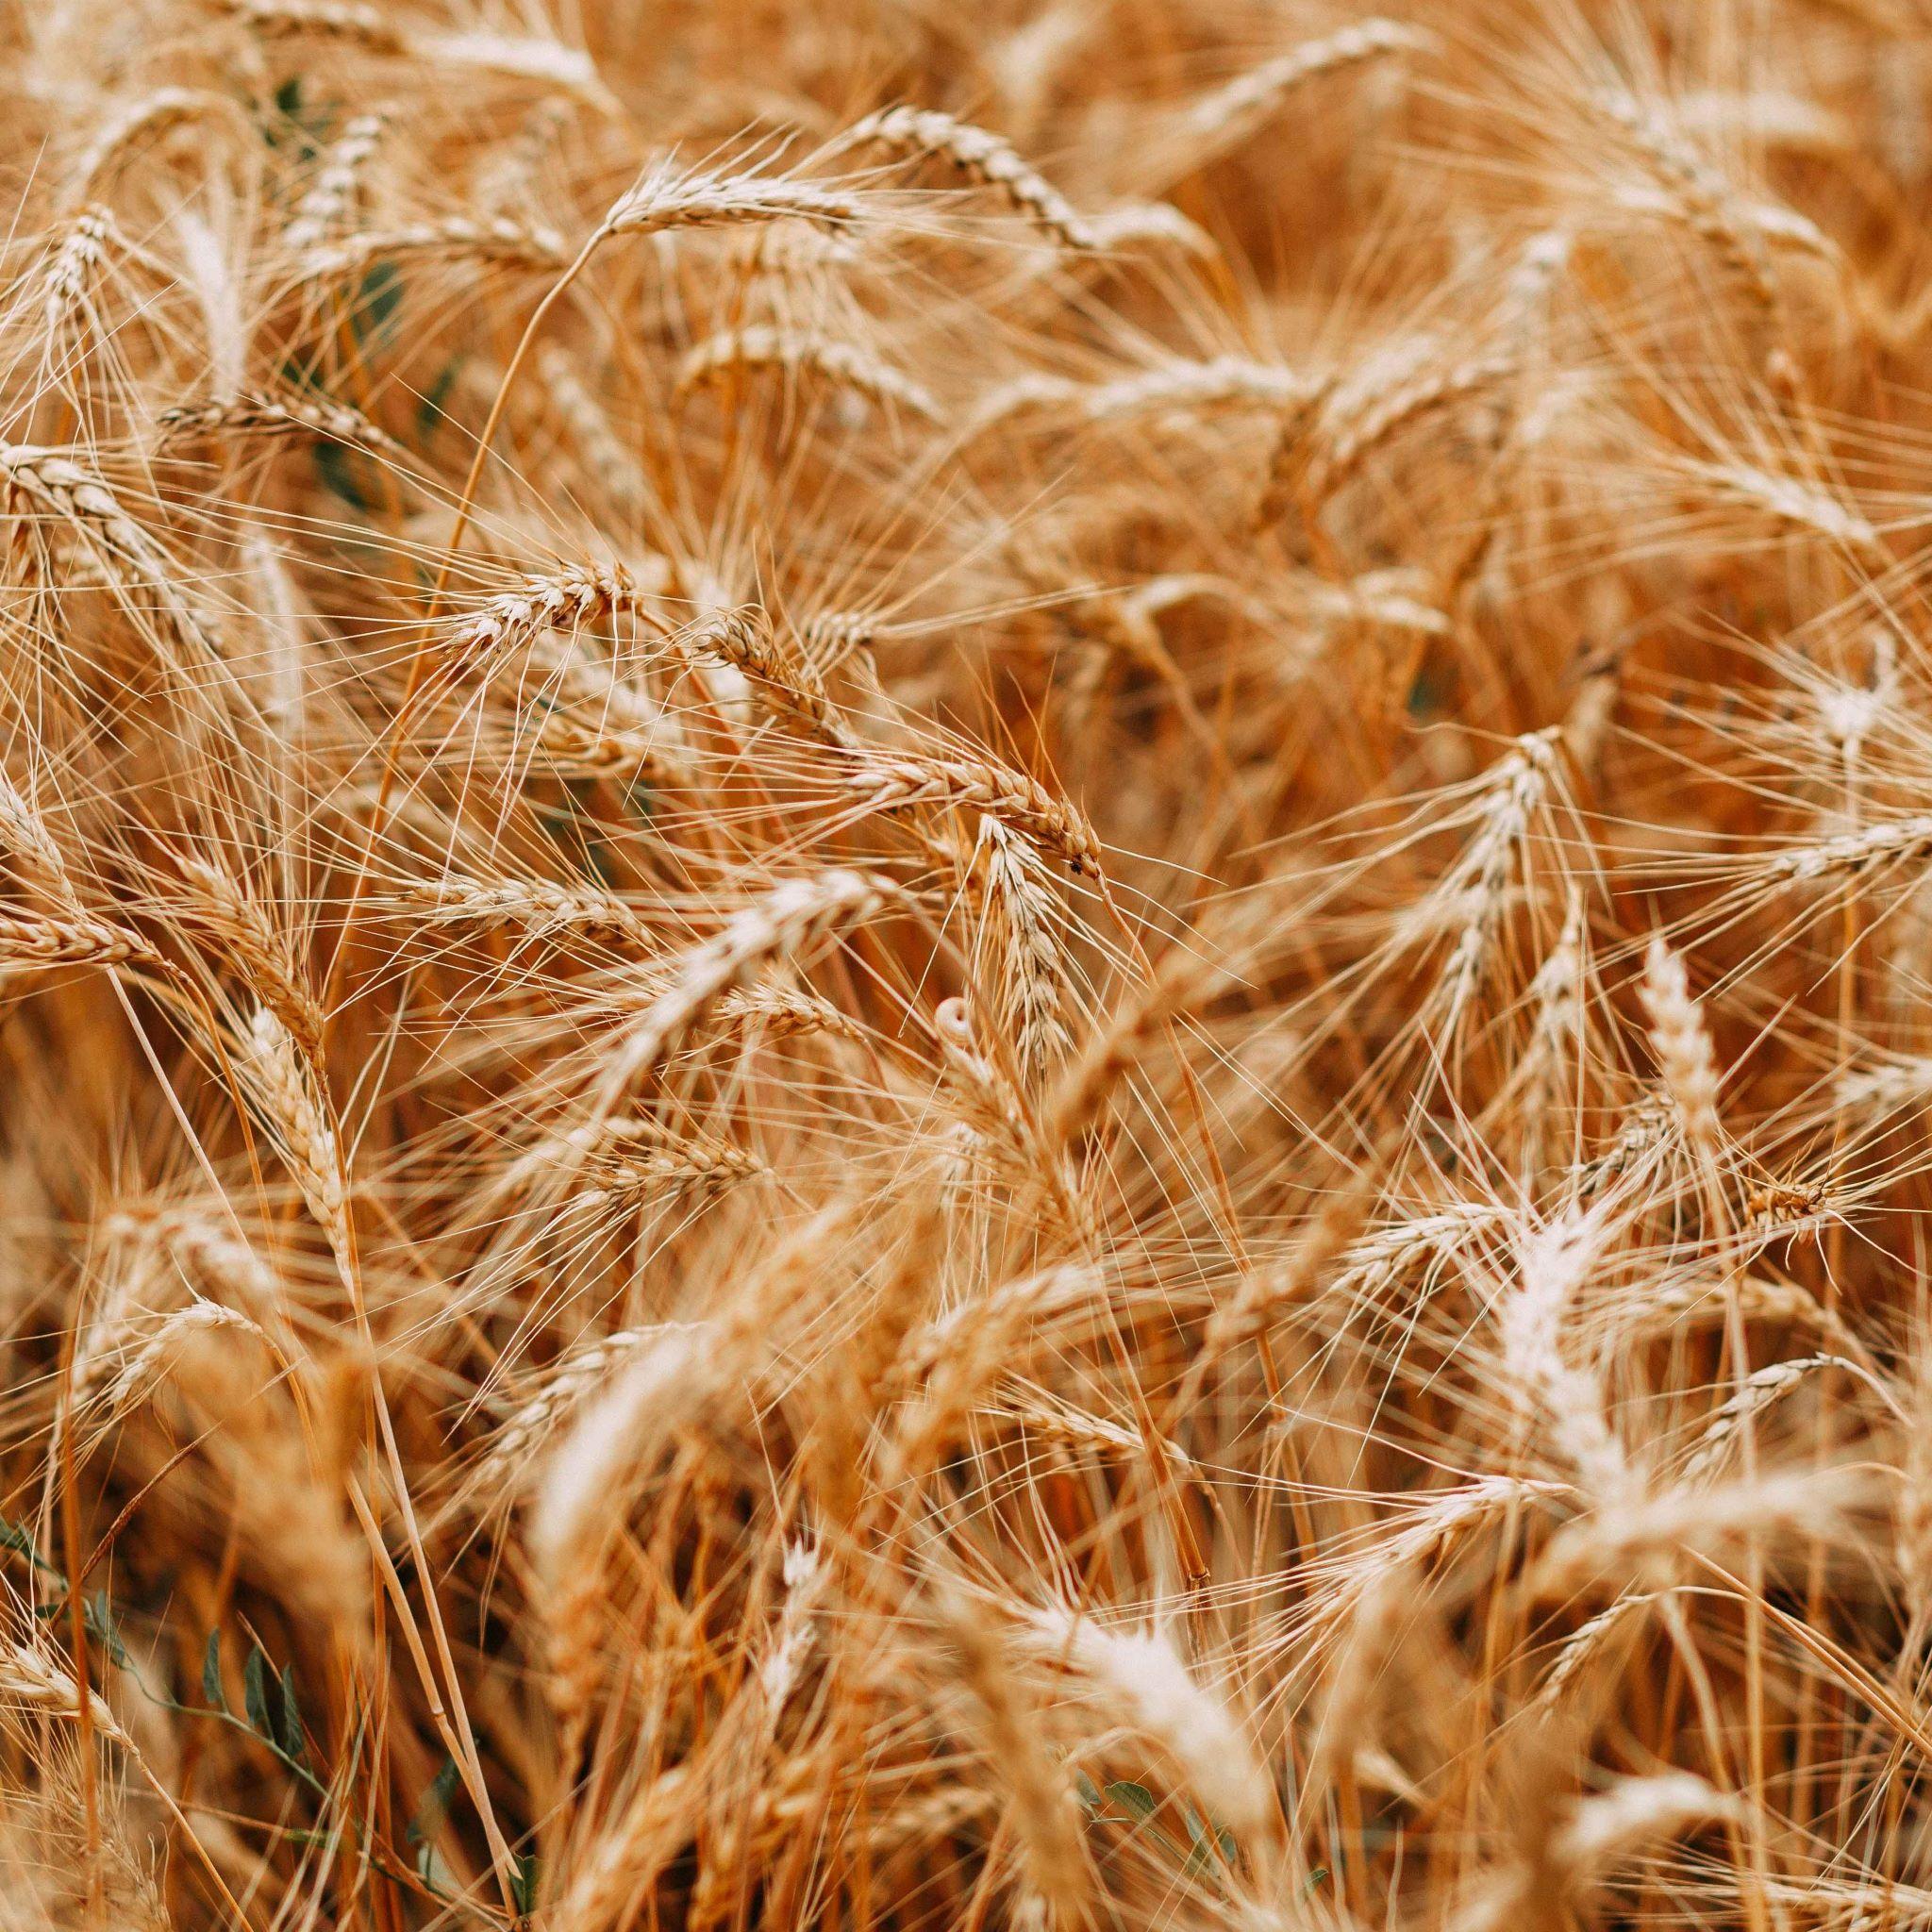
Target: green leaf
point(420, 1831)
point(255, 1695)
point(293, 1741)
point(432, 1871)
point(97, 1613)
point(211, 1673)
point(523, 1883)
point(377, 299)
point(1201, 1858)
point(1088, 1791)
point(336, 467)
point(435, 1805)
point(294, 123)
point(12, 1537)
point(1426, 694)
point(1319, 1877)
point(579, 838)
point(1138, 1799)
point(429, 411)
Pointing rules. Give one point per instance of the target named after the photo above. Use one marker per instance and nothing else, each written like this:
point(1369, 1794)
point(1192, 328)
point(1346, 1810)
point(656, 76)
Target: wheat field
point(965, 967)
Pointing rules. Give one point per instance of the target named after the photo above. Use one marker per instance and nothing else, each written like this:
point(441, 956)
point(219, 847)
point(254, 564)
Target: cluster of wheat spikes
point(965, 966)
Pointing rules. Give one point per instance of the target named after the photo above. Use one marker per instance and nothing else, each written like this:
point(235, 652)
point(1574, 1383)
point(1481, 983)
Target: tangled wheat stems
point(964, 977)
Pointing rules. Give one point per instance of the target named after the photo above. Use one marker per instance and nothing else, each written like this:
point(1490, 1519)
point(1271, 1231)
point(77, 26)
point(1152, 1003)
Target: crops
point(965, 967)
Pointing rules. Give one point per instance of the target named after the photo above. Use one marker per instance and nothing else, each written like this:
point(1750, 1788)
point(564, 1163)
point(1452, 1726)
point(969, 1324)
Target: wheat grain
point(1756, 1393)
point(28, 1678)
point(573, 1377)
point(327, 204)
point(890, 783)
point(498, 241)
point(1352, 427)
point(1161, 1698)
point(256, 415)
point(1632, 1813)
point(595, 1256)
point(1041, 1805)
point(551, 63)
point(1232, 113)
point(71, 271)
point(1520, 780)
point(283, 1087)
point(144, 114)
point(1552, 1263)
point(148, 1363)
point(59, 487)
point(774, 926)
point(1639, 1538)
point(620, 478)
point(668, 199)
point(1032, 970)
point(760, 346)
point(572, 596)
point(1682, 1044)
point(345, 20)
point(67, 940)
point(1702, 194)
point(981, 157)
point(569, 1521)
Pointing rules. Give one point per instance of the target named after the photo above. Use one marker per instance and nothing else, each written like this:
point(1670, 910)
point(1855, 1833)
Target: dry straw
point(833, 1090)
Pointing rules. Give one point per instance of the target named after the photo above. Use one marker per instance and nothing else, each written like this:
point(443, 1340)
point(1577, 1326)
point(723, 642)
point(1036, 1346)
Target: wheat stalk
point(256, 415)
point(327, 204)
point(668, 199)
point(1232, 113)
point(758, 345)
point(775, 926)
point(1041, 1805)
point(498, 241)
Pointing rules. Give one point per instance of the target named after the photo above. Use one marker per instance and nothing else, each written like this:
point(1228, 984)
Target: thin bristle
point(964, 972)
